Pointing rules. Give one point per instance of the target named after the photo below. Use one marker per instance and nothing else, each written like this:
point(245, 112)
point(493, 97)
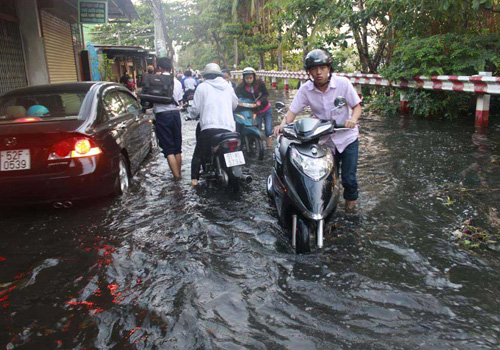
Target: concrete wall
point(34, 52)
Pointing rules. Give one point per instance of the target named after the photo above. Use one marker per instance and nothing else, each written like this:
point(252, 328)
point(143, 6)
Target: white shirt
point(215, 101)
point(189, 83)
point(158, 107)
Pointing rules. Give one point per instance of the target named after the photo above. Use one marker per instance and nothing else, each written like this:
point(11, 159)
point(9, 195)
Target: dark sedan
point(64, 142)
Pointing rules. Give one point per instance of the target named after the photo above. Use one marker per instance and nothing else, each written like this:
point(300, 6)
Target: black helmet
point(317, 58)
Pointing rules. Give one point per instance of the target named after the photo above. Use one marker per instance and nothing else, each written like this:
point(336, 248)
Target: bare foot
point(350, 206)
point(194, 182)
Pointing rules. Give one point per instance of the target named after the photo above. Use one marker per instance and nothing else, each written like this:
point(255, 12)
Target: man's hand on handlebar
point(351, 124)
point(278, 129)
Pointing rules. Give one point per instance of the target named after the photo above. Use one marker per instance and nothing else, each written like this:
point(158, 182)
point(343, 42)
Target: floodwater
point(169, 266)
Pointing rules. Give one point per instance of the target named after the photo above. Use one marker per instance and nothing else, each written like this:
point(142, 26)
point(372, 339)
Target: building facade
point(41, 41)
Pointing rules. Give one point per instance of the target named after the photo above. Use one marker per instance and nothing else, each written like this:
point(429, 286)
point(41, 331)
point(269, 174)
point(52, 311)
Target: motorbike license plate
point(15, 160)
point(234, 159)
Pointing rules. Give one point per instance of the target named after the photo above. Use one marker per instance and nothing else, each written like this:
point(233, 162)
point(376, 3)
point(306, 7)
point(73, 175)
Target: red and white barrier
point(483, 85)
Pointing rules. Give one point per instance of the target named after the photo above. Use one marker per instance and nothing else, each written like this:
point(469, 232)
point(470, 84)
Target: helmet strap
point(322, 84)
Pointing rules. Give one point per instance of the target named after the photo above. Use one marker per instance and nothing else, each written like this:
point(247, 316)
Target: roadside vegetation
point(395, 38)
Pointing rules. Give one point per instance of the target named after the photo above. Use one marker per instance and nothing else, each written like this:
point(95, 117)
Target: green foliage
point(448, 54)
point(383, 100)
point(472, 237)
point(137, 33)
point(106, 68)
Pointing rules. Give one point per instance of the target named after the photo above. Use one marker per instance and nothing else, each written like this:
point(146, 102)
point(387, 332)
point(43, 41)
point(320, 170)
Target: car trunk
point(35, 140)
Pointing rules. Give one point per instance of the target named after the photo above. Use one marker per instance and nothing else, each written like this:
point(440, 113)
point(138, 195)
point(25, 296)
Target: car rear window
point(41, 107)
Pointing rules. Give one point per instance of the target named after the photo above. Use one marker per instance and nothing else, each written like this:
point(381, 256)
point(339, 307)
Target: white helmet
point(249, 70)
point(212, 68)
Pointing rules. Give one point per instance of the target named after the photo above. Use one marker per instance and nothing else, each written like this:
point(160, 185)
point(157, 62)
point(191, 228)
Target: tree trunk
point(280, 51)
point(235, 53)
point(219, 49)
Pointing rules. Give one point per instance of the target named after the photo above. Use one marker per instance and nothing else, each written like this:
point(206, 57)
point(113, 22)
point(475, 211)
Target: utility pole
point(163, 44)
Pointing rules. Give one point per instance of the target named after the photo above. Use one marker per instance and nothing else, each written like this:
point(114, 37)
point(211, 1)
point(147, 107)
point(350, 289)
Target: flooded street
point(169, 266)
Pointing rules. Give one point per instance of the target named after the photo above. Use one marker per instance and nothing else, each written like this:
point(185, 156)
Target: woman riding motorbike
point(255, 89)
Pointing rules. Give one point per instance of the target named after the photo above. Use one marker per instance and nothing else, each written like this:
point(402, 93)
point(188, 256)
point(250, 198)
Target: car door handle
point(122, 125)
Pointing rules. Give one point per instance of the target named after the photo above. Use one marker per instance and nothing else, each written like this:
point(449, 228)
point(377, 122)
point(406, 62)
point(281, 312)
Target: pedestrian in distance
point(124, 78)
point(226, 74)
point(319, 93)
point(215, 101)
point(167, 116)
point(255, 89)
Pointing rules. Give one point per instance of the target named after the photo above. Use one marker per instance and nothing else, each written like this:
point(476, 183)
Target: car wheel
point(122, 182)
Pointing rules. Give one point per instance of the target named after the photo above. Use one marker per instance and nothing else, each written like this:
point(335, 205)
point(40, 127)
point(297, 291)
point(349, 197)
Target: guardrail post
point(287, 87)
point(405, 105)
point(483, 106)
point(273, 84)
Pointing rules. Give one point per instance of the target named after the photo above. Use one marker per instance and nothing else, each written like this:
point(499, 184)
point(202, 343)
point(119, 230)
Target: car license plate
point(234, 159)
point(18, 159)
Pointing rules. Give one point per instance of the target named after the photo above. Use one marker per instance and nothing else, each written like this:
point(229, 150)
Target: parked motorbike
point(224, 161)
point(246, 125)
point(303, 182)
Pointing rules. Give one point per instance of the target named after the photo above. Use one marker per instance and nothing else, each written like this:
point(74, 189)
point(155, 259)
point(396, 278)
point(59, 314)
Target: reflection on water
point(175, 267)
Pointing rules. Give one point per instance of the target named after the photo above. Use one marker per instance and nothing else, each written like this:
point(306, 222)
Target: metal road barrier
point(483, 85)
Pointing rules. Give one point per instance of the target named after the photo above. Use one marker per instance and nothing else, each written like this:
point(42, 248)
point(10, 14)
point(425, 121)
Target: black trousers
point(202, 148)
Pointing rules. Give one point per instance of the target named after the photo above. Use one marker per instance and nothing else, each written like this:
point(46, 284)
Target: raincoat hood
point(218, 83)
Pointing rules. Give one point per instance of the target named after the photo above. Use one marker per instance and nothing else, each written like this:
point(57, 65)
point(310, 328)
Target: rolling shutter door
point(58, 49)
point(12, 70)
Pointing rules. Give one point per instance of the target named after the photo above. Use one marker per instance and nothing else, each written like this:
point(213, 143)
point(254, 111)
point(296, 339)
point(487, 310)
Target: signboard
point(92, 12)
point(95, 75)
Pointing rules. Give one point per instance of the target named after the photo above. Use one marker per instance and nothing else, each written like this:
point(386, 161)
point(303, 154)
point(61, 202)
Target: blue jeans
point(347, 163)
point(268, 120)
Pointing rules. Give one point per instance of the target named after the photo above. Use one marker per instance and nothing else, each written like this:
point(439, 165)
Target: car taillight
point(75, 147)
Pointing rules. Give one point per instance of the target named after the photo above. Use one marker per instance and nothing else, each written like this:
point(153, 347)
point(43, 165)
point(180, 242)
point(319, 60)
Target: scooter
point(224, 161)
point(187, 102)
point(303, 183)
point(187, 99)
point(247, 127)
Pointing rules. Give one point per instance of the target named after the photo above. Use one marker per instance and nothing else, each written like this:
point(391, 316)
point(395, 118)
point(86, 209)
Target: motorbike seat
point(218, 138)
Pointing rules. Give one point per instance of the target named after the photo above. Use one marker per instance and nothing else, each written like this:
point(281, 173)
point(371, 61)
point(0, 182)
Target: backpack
point(158, 89)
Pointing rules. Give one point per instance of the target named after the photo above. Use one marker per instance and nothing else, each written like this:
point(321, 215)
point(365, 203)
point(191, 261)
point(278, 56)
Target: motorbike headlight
point(315, 168)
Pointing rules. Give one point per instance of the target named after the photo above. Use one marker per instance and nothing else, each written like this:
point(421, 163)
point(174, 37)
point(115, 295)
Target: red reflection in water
point(117, 296)
point(105, 252)
point(91, 306)
point(6, 292)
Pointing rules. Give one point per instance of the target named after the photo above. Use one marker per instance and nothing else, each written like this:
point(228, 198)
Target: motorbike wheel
point(302, 237)
point(255, 147)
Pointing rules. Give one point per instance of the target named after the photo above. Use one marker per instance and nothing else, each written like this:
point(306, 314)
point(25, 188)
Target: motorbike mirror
point(340, 102)
point(279, 105)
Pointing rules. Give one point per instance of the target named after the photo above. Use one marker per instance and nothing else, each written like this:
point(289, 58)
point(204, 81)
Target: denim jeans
point(268, 120)
point(347, 163)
